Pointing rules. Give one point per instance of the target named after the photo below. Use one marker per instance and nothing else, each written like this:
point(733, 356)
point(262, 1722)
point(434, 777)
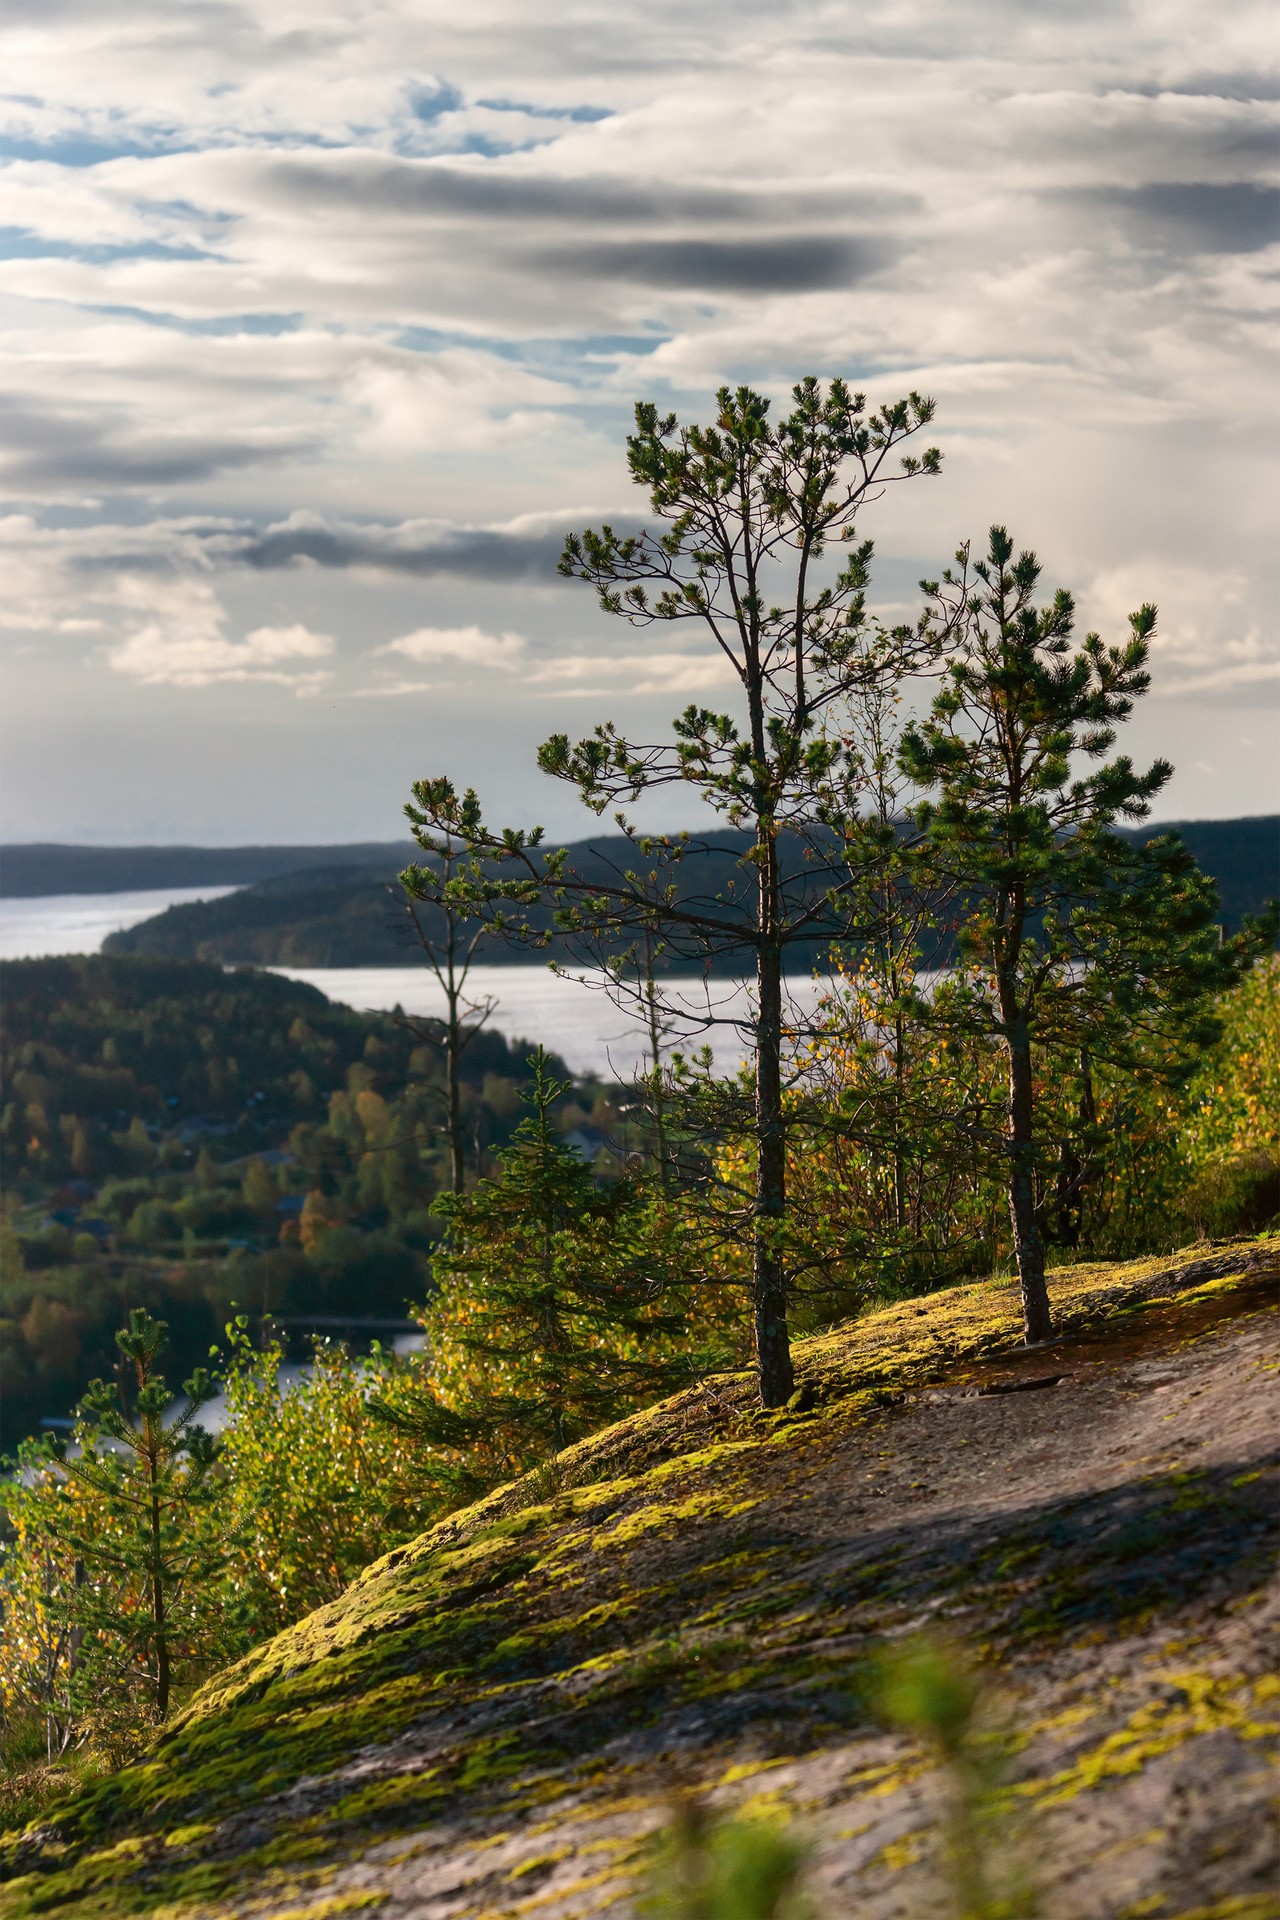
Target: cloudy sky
point(321, 325)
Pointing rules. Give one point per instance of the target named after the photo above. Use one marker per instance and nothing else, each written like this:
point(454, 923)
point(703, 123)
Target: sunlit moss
point(645, 1583)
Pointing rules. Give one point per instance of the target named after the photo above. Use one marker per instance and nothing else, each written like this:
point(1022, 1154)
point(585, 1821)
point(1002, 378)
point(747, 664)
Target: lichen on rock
point(504, 1706)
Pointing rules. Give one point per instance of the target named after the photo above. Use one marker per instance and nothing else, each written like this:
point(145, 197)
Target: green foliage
point(713, 1868)
point(111, 1586)
point(891, 1195)
point(1071, 939)
point(1237, 1195)
point(929, 1689)
point(316, 1487)
point(560, 1304)
point(148, 1556)
point(1234, 1094)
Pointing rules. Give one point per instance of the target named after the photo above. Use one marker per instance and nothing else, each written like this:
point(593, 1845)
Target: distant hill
point(355, 915)
point(1242, 855)
point(342, 914)
point(27, 872)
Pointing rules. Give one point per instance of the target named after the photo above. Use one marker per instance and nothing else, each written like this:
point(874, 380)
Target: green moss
point(658, 1518)
point(1245, 1906)
point(1196, 1703)
point(651, 1579)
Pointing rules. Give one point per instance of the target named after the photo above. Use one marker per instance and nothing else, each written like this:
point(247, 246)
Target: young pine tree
point(556, 1311)
point(1073, 938)
point(144, 1609)
point(449, 946)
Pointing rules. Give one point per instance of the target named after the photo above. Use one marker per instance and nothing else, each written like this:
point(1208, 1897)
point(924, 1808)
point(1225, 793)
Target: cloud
point(418, 548)
point(192, 651)
point(469, 646)
point(635, 671)
point(1208, 638)
point(1197, 216)
point(787, 263)
point(1232, 679)
point(325, 322)
point(42, 447)
point(603, 671)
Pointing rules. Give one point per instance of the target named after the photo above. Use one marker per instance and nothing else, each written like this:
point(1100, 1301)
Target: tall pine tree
point(1072, 937)
point(753, 546)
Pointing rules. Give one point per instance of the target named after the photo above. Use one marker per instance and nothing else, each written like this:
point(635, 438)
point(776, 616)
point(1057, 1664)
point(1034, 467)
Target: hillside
point(162, 1126)
point(38, 868)
point(344, 916)
point(351, 917)
point(491, 1720)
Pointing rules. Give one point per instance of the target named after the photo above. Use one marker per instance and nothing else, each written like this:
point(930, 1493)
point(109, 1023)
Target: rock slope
point(492, 1720)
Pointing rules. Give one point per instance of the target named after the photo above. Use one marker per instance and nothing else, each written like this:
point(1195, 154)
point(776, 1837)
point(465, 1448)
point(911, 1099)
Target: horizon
point(267, 846)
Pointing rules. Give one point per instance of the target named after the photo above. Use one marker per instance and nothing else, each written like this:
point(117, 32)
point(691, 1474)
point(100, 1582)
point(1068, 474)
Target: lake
point(573, 1017)
point(576, 1020)
point(30, 929)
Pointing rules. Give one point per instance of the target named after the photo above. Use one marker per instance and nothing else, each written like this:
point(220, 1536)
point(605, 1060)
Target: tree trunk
point(1028, 1243)
point(453, 1077)
point(899, 1166)
point(773, 1347)
point(158, 1619)
point(659, 1105)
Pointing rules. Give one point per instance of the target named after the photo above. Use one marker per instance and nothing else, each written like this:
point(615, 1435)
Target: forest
point(349, 913)
point(193, 1141)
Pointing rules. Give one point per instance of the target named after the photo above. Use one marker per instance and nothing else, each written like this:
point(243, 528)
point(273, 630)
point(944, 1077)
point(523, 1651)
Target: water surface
point(573, 1017)
point(80, 922)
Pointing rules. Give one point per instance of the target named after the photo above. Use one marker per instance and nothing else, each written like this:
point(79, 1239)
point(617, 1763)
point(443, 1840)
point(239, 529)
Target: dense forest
point(190, 1140)
point(343, 914)
point(183, 1138)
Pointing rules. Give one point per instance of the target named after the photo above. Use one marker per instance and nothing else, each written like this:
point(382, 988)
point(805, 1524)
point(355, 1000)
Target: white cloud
point(466, 646)
point(1207, 639)
point(189, 649)
point(633, 671)
point(603, 670)
point(293, 290)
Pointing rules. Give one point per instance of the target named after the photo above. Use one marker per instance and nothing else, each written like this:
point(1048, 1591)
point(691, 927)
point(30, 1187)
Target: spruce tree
point(1072, 938)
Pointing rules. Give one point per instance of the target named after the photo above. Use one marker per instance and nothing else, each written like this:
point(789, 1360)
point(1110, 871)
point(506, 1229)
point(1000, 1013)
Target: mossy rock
point(513, 1695)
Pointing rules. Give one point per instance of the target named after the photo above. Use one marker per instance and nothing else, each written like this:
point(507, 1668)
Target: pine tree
point(145, 1601)
point(1074, 941)
point(450, 953)
point(747, 516)
point(556, 1310)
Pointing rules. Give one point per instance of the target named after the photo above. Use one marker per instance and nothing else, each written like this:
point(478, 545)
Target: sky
point(321, 326)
